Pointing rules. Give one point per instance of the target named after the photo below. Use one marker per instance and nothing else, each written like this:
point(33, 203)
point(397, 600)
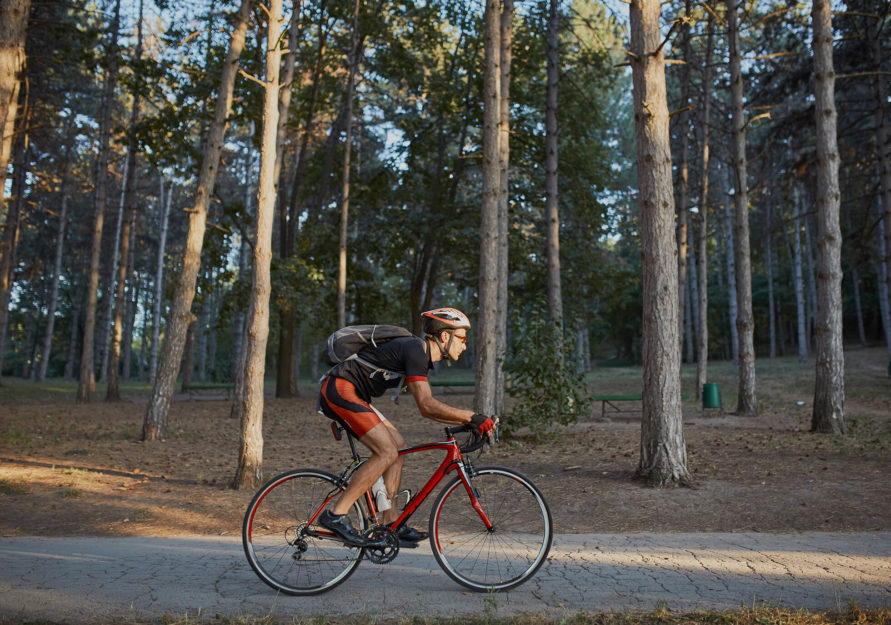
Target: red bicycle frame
point(453, 461)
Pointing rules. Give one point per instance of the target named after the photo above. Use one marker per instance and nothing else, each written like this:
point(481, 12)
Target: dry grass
point(755, 616)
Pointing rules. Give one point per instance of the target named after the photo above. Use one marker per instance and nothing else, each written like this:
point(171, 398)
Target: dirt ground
point(69, 469)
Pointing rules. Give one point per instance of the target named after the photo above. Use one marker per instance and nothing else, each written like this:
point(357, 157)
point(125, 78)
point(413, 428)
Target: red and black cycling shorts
point(338, 399)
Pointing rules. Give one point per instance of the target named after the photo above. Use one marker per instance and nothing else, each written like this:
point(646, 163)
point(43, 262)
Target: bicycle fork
point(466, 472)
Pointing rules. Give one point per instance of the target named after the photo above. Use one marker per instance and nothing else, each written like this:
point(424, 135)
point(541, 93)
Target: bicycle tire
point(276, 543)
point(512, 551)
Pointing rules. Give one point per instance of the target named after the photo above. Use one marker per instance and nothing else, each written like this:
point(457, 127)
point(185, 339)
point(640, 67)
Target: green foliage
point(539, 374)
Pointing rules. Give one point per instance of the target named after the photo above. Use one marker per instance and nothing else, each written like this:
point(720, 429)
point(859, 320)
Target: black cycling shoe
point(344, 530)
point(409, 537)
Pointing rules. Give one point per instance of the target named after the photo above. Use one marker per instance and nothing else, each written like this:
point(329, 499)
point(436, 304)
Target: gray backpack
point(345, 344)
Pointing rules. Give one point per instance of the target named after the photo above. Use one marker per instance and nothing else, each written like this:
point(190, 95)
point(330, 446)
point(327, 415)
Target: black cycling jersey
point(406, 356)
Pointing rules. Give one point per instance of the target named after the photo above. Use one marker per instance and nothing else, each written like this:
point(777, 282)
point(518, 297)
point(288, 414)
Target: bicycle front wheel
point(496, 558)
point(285, 550)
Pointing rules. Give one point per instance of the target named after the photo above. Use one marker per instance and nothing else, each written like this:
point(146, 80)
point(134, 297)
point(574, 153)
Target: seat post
point(352, 439)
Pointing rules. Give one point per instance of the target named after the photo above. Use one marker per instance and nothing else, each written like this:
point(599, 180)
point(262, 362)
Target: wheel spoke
point(507, 555)
point(277, 545)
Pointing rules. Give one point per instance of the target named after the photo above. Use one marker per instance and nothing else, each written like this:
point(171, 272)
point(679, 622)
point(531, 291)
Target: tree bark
point(883, 151)
point(345, 194)
point(103, 339)
point(155, 423)
point(702, 258)
point(691, 325)
point(13, 31)
point(507, 18)
point(112, 392)
point(163, 215)
point(732, 303)
point(249, 405)
point(85, 379)
point(769, 262)
point(286, 375)
point(747, 403)
point(811, 265)
point(882, 273)
point(11, 237)
point(486, 359)
point(663, 455)
point(57, 271)
point(829, 384)
point(552, 211)
point(683, 173)
point(798, 281)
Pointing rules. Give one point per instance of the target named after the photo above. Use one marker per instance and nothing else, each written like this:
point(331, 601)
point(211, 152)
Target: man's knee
point(389, 454)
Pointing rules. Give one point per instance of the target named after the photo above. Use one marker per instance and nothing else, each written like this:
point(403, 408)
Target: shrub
point(541, 376)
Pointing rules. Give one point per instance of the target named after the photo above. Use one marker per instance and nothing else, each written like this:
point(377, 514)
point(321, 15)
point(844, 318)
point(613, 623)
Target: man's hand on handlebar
point(483, 424)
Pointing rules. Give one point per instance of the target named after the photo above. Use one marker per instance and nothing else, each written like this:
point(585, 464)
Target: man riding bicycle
point(346, 394)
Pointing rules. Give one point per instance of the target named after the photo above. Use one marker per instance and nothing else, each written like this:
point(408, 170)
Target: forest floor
point(68, 469)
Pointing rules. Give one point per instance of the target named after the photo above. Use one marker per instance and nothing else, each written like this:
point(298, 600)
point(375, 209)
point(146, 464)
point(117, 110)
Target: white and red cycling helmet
point(444, 319)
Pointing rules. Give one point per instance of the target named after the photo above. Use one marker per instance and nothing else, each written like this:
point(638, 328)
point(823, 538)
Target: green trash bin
point(711, 395)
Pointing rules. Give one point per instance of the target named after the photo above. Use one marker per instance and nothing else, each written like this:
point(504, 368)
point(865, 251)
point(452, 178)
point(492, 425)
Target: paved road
point(80, 580)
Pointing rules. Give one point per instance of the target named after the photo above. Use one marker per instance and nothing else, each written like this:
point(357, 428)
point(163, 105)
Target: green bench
point(608, 400)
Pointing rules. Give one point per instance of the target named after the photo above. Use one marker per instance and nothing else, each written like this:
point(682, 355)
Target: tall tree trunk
point(11, 236)
point(155, 423)
point(683, 175)
point(769, 262)
point(243, 250)
point(829, 384)
point(249, 405)
point(882, 273)
point(747, 403)
point(663, 454)
point(13, 31)
point(507, 19)
point(732, 303)
point(692, 324)
point(811, 265)
point(103, 339)
point(883, 151)
point(133, 290)
point(85, 379)
point(345, 195)
point(188, 363)
point(163, 216)
point(486, 358)
point(858, 307)
point(68, 374)
point(552, 211)
point(57, 272)
point(798, 281)
point(702, 258)
point(112, 392)
point(286, 375)
point(129, 216)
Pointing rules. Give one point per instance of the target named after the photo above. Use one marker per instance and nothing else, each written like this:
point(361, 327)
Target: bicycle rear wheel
point(281, 545)
point(511, 551)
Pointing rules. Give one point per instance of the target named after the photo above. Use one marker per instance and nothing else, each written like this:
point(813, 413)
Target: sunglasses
point(463, 339)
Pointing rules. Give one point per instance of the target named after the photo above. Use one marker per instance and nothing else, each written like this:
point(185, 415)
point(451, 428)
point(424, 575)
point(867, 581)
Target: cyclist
point(346, 395)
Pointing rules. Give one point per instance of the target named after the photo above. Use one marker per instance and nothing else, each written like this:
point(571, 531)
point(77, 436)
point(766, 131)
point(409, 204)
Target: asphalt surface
point(88, 580)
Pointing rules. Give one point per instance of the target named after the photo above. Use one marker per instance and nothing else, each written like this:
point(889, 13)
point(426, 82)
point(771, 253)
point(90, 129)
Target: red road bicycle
point(490, 528)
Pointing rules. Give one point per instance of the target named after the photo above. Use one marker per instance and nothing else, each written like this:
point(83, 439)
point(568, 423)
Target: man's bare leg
point(380, 441)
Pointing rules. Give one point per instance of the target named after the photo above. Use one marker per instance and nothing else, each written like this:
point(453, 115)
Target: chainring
point(382, 555)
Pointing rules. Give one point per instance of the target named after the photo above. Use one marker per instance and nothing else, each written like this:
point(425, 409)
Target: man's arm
point(432, 408)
